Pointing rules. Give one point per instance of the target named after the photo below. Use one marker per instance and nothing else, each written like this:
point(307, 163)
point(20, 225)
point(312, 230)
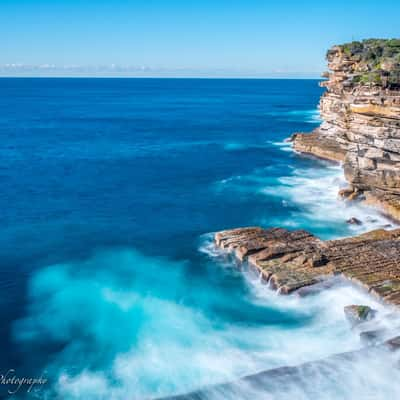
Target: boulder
point(393, 344)
point(373, 337)
point(354, 221)
point(346, 192)
point(356, 314)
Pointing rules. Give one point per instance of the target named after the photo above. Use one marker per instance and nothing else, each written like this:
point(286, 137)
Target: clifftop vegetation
point(372, 61)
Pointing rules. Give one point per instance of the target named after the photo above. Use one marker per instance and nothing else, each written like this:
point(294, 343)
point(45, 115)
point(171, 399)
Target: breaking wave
point(308, 199)
point(314, 192)
point(121, 331)
point(309, 116)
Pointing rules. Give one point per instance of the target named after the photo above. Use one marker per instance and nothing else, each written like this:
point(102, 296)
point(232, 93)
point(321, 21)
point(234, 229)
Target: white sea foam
point(315, 193)
point(240, 146)
point(310, 199)
point(208, 247)
point(370, 377)
point(311, 116)
point(366, 378)
point(129, 330)
point(284, 145)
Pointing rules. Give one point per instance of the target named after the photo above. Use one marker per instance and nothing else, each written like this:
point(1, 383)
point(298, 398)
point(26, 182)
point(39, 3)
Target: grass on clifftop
point(377, 61)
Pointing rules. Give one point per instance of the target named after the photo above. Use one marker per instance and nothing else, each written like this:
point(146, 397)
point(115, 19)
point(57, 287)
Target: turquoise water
point(111, 190)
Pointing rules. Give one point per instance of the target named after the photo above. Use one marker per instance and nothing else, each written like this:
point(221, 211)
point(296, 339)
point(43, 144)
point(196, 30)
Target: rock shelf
point(290, 260)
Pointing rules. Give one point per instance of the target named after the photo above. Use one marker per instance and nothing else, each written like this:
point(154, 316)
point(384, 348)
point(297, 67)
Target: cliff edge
point(361, 119)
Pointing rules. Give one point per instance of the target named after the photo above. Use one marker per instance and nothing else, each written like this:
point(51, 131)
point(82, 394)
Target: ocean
point(110, 192)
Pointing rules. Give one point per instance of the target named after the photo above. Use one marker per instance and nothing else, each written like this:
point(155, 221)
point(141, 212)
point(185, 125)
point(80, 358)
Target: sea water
point(110, 192)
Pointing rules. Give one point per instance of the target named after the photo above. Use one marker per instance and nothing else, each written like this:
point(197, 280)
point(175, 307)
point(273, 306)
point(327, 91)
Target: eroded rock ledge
point(291, 260)
point(361, 119)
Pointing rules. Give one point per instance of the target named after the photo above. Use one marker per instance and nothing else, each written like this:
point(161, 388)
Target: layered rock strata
point(361, 119)
point(290, 260)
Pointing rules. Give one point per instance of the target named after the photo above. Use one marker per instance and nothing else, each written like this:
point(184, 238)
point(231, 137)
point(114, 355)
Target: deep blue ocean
point(110, 189)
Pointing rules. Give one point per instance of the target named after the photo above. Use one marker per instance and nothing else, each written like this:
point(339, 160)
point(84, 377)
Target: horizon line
point(283, 77)
point(117, 71)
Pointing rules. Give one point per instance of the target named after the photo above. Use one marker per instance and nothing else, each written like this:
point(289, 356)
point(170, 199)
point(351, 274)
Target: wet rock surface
point(356, 314)
point(290, 260)
point(374, 336)
point(354, 221)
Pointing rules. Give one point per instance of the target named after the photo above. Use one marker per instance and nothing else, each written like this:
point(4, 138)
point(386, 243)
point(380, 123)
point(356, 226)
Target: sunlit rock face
point(361, 116)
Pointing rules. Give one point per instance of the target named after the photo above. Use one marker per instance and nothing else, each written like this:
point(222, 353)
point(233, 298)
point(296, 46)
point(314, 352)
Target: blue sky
point(176, 37)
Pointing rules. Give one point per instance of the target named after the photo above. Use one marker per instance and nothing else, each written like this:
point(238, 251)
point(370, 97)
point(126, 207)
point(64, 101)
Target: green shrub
point(393, 43)
point(370, 56)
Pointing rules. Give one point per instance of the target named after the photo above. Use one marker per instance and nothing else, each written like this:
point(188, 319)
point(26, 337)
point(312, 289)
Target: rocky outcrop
point(361, 118)
point(312, 144)
point(291, 260)
point(357, 314)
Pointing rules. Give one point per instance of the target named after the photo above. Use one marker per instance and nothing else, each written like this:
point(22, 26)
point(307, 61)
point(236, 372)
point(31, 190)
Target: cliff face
point(361, 118)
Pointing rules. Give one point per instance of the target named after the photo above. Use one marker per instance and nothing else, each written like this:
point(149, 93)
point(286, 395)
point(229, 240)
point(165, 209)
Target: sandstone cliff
point(361, 119)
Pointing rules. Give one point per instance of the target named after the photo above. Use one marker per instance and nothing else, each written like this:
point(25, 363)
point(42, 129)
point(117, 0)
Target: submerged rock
point(354, 221)
point(393, 344)
point(316, 288)
point(375, 336)
point(356, 314)
point(346, 192)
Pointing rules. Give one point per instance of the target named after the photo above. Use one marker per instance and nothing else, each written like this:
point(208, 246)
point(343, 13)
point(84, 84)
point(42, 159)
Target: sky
point(250, 38)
